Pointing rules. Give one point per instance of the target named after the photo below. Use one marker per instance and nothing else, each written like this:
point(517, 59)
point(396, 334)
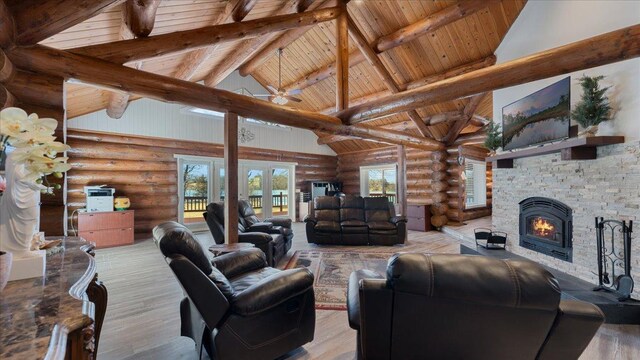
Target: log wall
point(433, 178)
point(145, 170)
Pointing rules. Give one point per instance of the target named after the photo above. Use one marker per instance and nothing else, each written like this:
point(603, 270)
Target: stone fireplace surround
point(608, 186)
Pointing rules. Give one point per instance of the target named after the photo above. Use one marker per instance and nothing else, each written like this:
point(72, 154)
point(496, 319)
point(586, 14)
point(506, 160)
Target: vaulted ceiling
point(471, 39)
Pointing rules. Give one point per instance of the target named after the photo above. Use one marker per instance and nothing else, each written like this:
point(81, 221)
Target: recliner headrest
point(245, 209)
point(477, 279)
point(376, 203)
point(173, 238)
point(326, 203)
point(352, 202)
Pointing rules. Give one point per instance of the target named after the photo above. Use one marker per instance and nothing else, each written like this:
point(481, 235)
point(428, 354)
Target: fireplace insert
point(546, 227)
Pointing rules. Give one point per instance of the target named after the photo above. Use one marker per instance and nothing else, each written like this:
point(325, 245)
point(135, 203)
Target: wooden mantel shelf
point(570, 149)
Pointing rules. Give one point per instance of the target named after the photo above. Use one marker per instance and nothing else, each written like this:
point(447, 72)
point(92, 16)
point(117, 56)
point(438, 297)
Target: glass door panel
point(255, 190)
point(280, 192)
point(221, 184)
point(196, 185)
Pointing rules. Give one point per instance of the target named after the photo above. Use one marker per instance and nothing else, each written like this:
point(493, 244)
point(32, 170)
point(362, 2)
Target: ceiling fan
point(280, 96)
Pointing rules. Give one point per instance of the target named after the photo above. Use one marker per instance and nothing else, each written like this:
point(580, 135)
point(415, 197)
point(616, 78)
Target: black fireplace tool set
point(611, 258)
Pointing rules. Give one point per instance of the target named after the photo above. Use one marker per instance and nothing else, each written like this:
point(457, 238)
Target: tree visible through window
point(380, 181)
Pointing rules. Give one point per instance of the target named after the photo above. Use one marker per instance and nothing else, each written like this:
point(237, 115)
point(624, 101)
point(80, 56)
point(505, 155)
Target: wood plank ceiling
point(464, 41)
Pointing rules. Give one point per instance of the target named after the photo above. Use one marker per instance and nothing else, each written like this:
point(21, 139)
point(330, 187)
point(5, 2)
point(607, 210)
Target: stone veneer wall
point(608, 186)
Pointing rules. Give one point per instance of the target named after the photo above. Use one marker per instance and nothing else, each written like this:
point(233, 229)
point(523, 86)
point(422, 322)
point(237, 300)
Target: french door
point(268, 186)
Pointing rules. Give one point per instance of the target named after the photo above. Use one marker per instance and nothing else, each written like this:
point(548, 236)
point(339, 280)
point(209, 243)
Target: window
point(380, 180)
point(475, 179)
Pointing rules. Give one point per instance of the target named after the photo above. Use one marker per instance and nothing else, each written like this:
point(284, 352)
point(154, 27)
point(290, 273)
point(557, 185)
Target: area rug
point(331, 271)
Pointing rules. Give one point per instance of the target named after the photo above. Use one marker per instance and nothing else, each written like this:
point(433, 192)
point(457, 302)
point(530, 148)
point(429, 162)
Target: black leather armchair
point(466, 307)
point(236, 307)
point(272, 243)
point(272, 225)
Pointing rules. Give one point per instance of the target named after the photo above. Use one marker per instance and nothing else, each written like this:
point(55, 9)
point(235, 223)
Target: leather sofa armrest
point(310, 219)
point(576, 324)
point(240, 262)
point(376, 307)
point(353, 295)
point(206, 297)
point(397, 219)
point(257, 238)
point(279, 221)
point(272, 291)
point(260, 227)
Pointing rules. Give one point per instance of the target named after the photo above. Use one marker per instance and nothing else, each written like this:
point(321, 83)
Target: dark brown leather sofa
point(264, 235)
point(235, 306)
point(466, 307)
point(354, 220)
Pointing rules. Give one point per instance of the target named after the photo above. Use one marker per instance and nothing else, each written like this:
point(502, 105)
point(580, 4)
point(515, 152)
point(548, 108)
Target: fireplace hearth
point(546, 227)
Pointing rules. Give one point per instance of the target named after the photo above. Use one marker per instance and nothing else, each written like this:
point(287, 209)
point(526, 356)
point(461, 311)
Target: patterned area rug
point(331, 271)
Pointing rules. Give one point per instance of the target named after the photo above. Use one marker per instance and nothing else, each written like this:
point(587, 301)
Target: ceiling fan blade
point(262, 95)
point(272, 89)
point(292, 98)
point(294, 92)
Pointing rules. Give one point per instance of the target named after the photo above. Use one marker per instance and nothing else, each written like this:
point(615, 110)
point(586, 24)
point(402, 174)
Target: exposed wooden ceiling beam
point(138, 19)
point(245, 50)
point(430, 23)
point(140, 16)
point(281, 42)
point(194, 59)
point(600, 50)
point(37, 20)
point(472, 66)
point(462, 123)
point(342, 57)
point(139, 49)
point(117, 77)
point(385, 76)
point(240, 12)
point(356, 57)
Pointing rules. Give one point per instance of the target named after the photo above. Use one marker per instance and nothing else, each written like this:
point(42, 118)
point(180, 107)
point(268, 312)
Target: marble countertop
point(37, 314)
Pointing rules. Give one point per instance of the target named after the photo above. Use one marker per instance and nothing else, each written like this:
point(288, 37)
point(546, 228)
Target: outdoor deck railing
point(391, 197)
point(199, 203)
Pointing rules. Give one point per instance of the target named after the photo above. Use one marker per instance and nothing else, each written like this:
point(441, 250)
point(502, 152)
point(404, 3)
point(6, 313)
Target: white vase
point(606, 128)
point(19, 210)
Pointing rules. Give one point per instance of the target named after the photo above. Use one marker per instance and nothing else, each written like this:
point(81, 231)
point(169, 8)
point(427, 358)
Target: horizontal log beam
point(6, 98)
point(600, 50)
point(459, 70)
point(139, 49)
point(356, 57)
point(37, 20)
point(7, 70)
point(7, 26)
point(163, 88)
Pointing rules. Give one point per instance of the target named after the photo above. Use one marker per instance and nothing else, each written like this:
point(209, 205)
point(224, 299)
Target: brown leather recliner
point(235, 306)
point(353, 220)
point(466, 307)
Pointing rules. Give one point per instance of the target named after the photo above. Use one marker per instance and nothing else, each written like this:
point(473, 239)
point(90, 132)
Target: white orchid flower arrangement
point(35, 146)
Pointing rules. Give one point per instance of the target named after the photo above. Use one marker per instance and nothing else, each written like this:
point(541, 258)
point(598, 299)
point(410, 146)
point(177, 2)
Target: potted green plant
point(494, 138)
point(593, 108)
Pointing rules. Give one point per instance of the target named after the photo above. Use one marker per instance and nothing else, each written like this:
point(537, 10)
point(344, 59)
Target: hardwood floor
point(142, 320)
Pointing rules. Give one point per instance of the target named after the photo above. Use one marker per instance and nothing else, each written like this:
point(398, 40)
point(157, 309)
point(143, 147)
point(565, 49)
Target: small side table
point(220, 249)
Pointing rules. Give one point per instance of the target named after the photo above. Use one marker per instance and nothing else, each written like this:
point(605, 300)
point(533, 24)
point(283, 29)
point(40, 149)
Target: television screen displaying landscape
point(540, 117)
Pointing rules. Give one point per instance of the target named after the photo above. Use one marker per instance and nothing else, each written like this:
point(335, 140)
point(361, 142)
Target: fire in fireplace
point(546, 227)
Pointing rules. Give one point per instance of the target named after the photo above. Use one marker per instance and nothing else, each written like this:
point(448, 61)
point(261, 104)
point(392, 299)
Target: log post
point(231, 177)
point(439, 188)
point(402, 180)
point(342, 57)
point(140, 16)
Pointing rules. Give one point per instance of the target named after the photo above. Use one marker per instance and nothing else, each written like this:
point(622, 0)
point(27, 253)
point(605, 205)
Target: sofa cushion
point(247, 214)
point(381, 225)
point(351, 208)
point(326, 202)
point(376, 209)
point(353, 223)
point(328, 226)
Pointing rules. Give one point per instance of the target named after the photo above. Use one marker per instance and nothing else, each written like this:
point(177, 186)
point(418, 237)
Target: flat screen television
point(538, 118)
